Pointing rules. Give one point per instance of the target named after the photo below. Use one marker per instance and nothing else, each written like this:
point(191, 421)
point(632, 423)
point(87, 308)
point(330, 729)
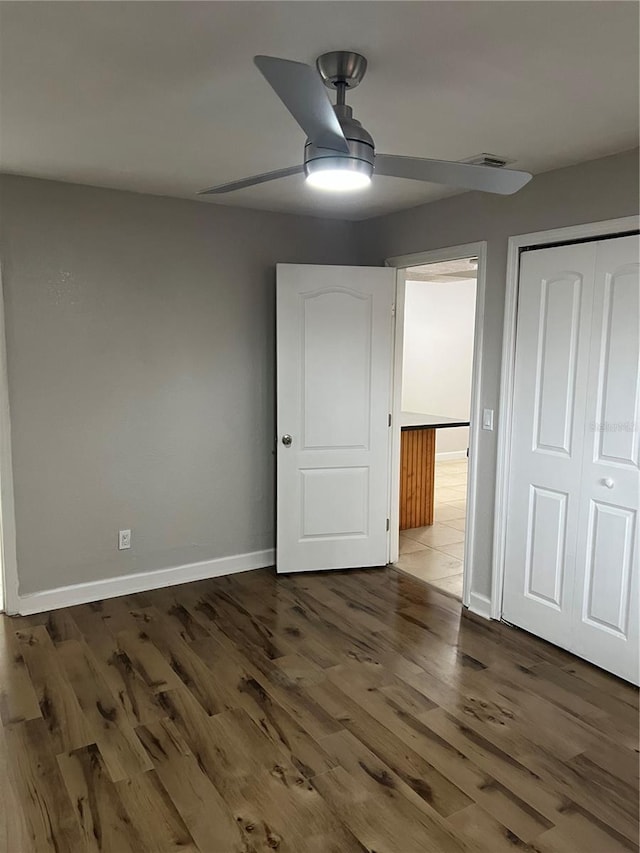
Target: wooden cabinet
point(417, 465)
point(417, 471)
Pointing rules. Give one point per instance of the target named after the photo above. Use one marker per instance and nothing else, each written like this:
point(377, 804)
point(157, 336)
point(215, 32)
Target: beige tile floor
point(434, 554)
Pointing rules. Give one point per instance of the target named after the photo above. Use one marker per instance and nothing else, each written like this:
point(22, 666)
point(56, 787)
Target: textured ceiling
point(164, 98)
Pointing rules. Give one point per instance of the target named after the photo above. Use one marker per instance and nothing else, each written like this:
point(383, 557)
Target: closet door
point(605, 612)
point(547, 441)
point(572, 557)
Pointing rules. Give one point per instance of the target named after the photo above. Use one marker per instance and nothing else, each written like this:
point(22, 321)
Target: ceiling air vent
point(488, 160)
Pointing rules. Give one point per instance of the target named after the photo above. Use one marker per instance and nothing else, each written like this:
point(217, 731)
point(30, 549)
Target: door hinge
point(389, 419)
point(388, 523)
point(393, 310)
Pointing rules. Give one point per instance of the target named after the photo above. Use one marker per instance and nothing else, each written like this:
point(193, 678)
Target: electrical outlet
point(124, 540)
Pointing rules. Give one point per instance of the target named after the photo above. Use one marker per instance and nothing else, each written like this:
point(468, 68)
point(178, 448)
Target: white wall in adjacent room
point(438, 354)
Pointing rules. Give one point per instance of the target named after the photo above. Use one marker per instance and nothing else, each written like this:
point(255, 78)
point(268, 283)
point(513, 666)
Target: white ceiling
point(163, 97)
point(443, 271)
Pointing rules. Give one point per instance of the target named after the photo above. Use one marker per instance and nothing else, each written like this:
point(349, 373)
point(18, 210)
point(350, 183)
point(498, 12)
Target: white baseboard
point(450, 455)
point(480, 605)
point(83, 593)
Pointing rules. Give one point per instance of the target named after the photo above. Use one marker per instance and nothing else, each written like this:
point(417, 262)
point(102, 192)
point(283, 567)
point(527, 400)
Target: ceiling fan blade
point(489, 179)
point(252, 181)
point(302, 92)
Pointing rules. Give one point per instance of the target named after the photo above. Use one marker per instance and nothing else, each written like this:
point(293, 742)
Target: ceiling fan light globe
point(338, 174)
point(338, 180)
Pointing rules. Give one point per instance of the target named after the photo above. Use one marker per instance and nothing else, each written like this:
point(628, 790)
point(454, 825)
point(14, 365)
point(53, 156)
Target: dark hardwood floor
point(348, 711)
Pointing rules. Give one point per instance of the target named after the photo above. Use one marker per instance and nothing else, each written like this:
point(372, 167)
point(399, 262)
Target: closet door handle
point(608, 482)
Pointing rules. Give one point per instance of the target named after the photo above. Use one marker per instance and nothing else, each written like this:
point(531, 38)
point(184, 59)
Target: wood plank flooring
point(325, 713)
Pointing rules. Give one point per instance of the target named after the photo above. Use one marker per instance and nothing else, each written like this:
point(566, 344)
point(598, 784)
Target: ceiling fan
point(339, 153)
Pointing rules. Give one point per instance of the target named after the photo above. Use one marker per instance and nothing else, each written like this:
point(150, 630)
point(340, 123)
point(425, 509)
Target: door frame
point(8, 558)
point(401, 262)
point(538, 239)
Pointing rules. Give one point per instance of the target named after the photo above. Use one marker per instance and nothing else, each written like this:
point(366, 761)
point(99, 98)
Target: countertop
point(419, 420)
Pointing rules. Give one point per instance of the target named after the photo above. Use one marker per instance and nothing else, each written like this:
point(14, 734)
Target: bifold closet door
point(605, 608)
point(571, 568)
point(555, 299)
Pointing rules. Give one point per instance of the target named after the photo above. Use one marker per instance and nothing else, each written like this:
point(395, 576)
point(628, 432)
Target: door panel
point(605, 617)
point(546, 537)
point(560, 299)
point(334, 353)
point(334, 502)
point(608, 568)
point(554, 307)
point(336, 378)
point(617, 335)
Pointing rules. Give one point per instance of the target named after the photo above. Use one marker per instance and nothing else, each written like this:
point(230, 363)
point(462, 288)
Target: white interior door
point(334, 353)
point(572, 563)
point(605, 617)
point(555, 300)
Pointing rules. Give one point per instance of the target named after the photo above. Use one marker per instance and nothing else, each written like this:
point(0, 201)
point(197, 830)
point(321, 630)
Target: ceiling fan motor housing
point(361, 154)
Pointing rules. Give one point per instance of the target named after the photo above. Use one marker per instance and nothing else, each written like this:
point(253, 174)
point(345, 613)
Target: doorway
point(436, 380)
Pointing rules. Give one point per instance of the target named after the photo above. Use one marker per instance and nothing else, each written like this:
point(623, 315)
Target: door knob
point(287, 440)
point(608, 482)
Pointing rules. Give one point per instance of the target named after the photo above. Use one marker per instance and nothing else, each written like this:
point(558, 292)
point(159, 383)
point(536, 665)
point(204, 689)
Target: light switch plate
point(487, 419)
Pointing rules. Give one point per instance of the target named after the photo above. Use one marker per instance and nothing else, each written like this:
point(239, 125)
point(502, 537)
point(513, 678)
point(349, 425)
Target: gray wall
point(140, 346)
point(598, 190)
point(140, 338)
